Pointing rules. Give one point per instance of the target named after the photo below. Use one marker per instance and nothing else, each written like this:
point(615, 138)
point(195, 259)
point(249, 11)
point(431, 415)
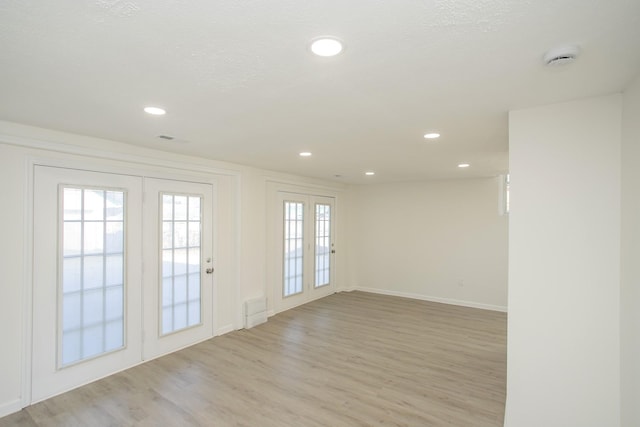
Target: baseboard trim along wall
point(450, 301)
point(224, 330)
point(10, 407)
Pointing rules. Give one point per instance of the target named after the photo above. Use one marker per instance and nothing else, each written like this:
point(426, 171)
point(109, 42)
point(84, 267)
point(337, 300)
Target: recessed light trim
point(155, 111)
point(463, 165)
point(326, 46)
point(305, 154)
point(432, 135)
point(370, 173)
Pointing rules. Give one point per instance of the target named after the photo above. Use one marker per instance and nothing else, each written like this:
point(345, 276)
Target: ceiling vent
point(562, 55)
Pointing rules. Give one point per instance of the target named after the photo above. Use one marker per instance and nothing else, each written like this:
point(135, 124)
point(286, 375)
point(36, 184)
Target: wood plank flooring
point(350, 359)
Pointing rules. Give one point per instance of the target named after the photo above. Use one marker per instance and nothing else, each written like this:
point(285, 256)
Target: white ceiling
point(239, 83)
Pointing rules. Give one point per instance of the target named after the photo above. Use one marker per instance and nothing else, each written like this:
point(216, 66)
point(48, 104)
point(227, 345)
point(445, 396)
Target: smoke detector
point(561, 55)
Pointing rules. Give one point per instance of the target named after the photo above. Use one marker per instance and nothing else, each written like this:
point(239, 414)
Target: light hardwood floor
point(350, 359)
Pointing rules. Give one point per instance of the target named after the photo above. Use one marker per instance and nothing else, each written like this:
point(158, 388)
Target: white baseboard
point(10, 407)
point(225, 329)
point(411, 295)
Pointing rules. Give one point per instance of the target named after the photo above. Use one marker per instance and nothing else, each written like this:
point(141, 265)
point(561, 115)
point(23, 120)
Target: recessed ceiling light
point(305, 154)
point(432, 135)
point(156, 111)
point(326, 46)
point(464, 165)
point(370, 173)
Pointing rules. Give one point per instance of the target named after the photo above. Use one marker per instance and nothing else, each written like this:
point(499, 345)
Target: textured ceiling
point(239, 83)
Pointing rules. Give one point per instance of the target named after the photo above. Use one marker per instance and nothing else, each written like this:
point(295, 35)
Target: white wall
point(241, 269)
point(12, 191)
point(441, 240)
point(630, 290)
point(564, 265)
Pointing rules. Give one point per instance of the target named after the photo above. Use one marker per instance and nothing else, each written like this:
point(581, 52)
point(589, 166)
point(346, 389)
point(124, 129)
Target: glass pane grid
point(323, 244)
point(293, 248)
point(92, 274)
point(180, 253)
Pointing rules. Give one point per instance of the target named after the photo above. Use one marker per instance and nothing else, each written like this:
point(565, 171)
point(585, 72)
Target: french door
point(86, 277)
point(305, 234)
point(122, 273)
point(178, 263)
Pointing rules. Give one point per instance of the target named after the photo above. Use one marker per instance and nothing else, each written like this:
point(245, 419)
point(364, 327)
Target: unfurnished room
point(285, 213)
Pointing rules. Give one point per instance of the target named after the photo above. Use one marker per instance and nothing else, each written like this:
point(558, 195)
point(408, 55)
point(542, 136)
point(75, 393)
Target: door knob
point(209, 270)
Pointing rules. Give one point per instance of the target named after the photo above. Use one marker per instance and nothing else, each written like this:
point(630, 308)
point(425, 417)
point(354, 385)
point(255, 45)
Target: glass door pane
point(293, 274)
point(92, 273)
point(181, 284)
point(322, 245)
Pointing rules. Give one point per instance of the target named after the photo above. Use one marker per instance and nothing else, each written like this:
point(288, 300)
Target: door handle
point(209, 270)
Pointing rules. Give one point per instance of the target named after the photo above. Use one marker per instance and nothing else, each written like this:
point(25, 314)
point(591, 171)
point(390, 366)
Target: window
point(293, 248)
point(92, 273)
point(323, 245)
point(181, 236)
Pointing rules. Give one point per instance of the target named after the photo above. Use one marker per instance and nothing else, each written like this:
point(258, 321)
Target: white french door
point(86, 277)
point(178, 265)
point(305, 233)
point(122, 273)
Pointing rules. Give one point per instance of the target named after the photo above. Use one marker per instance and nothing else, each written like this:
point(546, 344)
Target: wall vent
point(255, 312)
point(561, 55)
